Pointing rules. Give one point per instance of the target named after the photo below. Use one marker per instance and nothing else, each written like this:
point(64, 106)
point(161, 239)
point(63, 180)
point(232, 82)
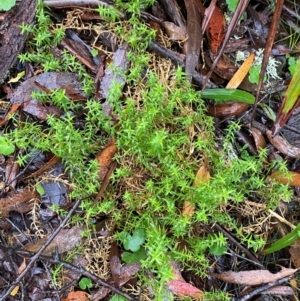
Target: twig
point(71, 3)
point(41, 250)
point(178, 61)
point(262, 288)
point(241, 247)
point(79, 270)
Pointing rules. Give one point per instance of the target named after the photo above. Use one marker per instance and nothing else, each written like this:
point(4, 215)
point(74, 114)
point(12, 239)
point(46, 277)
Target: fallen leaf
point(51, 80)
point(228, 109)
point(241, 72)
point(39, 110)
point(120, 63)
point(20, 270)
point(180, 287)
point(12, 169)
point(259, 139)
point(12, 110)
point(283, 145)
point(281, 290)
point(66, 240)
point(76, 296)
point(202, 176)
point(105, 158)
point(255, 277)
point(294, 251)
point(174, 32)
point(20, 201)
point(287, 177)
point(184, 289)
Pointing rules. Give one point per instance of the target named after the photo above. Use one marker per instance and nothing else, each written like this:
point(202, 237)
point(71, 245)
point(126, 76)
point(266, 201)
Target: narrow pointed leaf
point(289, 102)
point(223, 95)
point(285, 241)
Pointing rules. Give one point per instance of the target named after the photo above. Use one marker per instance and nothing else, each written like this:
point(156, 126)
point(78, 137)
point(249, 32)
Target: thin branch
point(79, 270)
point(35, 257)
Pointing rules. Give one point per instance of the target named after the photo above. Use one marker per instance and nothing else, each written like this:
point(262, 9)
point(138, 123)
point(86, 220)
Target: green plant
point(85, 283)
point(133, 243)
point(7, 4)
point(6, 146)
point(271, 71)
point(232, 4)
point(163, 135)
point(285, 241)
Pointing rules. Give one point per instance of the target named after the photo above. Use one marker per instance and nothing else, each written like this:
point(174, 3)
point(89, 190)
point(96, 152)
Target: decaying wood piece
point(12, 39)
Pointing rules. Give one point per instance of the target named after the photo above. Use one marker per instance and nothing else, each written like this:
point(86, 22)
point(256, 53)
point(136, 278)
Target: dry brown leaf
point(281, 290)
point(105, 158)
point(20, 270)
point(202, 176)
point(241, 73)
point(294, 251)
point(184, 289)
point(51, 80)
point(20, 201)
point(283, 145)
point(66, 240)
point(259, 139)
point(228, 109)
point(76, 296)
point(288, 177)
point(180, 287)
point(174, 32)
point(12, 110)
point(255, 277)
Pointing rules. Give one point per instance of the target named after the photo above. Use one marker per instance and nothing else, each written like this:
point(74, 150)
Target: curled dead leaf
point(20, 201)
point(283, 145)
point(228, 109)
point(66, 240)
point(105, 158)
point(259, 139)
point(174, 32)
point(288, 177)
point(255, 277)
point(202, 176)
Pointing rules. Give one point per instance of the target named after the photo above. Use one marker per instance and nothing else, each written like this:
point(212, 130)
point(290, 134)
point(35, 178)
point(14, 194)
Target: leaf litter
point(185, 26)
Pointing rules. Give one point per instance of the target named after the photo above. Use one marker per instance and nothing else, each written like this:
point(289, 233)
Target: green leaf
point(134, 242)
point(7, 4)
point(232, 4)
point(40, 189)
point(134, 257)
point(6, 147)
point(223, 95)
point(284, 241)
point(293, 91)
point(85, 283)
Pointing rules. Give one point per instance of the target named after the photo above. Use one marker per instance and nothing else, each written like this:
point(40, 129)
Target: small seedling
point(6, 147)
point(85, 283)
point(133, 242)
point(134, 257)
